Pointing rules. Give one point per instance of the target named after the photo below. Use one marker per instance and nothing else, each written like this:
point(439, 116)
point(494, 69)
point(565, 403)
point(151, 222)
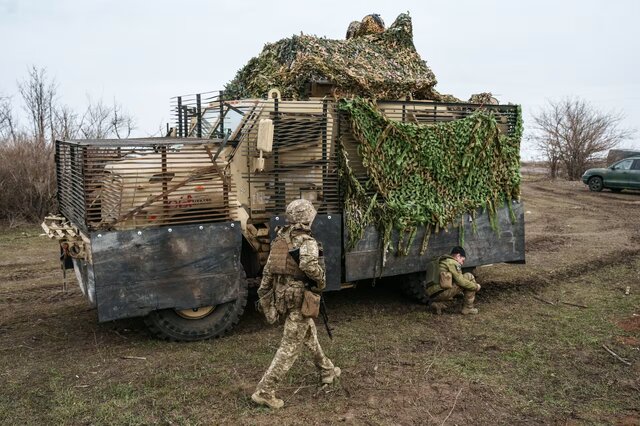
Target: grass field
point(534, 355)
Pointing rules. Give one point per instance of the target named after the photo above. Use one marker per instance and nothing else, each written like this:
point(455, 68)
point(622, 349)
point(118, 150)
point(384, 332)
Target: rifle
point(325, 317)
point(295, 253)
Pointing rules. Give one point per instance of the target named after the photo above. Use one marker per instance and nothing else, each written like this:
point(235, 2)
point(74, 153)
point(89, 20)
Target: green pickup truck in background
point(624, 174)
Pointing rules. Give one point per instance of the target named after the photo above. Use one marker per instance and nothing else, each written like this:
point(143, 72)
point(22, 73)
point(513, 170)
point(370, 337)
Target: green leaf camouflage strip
point(426, 174)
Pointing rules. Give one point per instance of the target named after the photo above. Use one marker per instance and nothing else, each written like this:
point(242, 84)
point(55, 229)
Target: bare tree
point(27, 169)
point(571, 132)
point(121, 122)
point(38, 93)
point(7, 120)
point(66, 123)
point(95, 122)
point(101, 121)
point(27, 176)
point(551, 153)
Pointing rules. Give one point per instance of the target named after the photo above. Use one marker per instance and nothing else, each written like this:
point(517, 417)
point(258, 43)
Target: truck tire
point(198, 324)
point(413, 286)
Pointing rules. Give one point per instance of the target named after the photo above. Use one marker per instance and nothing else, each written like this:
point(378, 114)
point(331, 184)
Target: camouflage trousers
point(449, 294)
point(298, 331)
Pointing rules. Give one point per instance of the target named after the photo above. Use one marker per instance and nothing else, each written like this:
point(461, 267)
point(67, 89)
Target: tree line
point(27, 139)
point(572, 133)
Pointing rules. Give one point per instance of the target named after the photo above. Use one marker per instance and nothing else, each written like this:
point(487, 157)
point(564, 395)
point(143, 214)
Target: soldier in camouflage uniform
point(450, 268)
point(281, 294)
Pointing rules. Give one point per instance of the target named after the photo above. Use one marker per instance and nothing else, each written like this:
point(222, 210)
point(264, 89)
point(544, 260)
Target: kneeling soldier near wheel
point(452, 282)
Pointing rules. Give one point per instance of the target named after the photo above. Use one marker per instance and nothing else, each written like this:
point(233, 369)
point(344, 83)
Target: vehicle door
point(634, 175)
point(618, 176)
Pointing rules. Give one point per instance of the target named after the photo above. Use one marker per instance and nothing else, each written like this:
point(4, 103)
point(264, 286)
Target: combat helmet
point(300, 211)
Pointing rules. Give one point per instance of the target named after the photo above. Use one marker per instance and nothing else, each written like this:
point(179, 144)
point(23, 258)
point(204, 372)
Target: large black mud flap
point(326, 228)
point(181, 267)
point(483, 247)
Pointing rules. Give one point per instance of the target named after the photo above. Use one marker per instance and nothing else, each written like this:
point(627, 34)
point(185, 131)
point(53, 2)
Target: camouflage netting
point(427, 174)
point(420, 175)
point(372, 63)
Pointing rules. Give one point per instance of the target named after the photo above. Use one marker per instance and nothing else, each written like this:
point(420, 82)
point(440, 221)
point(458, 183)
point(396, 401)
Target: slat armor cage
point(207, 169)
point(138, 183)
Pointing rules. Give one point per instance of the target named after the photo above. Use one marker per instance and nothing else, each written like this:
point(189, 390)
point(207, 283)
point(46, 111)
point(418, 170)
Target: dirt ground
point(535, 354)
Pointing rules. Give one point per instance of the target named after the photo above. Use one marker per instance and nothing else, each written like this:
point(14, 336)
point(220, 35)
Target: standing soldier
point(451, 282)
point(295, 260)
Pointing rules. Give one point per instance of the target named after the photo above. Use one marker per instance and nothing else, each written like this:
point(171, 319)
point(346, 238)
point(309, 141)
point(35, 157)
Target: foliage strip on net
point(426, 175)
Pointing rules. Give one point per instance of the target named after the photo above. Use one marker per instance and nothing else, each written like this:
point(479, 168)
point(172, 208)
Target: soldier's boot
point(437, 307)
point(469, 311)
point(264, 398)
point(469, 298)
point(330, 378)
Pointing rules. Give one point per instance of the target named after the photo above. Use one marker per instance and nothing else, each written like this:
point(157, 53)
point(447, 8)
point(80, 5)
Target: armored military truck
point(176, 229)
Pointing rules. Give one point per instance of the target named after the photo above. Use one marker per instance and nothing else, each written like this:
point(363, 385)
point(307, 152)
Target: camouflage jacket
point(449, 264)
point(284, 291)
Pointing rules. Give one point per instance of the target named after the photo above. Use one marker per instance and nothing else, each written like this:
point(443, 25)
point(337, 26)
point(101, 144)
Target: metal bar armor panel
point(485, 246)
point(182, 267)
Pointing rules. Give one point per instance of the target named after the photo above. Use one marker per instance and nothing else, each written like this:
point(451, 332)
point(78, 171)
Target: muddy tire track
point(531, 285)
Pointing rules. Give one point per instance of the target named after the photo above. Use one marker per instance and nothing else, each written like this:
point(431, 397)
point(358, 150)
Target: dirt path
point(528, 358)
point(569, 228)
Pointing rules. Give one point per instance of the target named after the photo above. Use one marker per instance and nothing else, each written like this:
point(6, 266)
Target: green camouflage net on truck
point(383, 65)
point(426, 175)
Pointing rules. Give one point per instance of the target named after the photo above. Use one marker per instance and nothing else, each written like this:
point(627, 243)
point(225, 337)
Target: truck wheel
point(197, 324)
point(413, 286)
point(595, 184)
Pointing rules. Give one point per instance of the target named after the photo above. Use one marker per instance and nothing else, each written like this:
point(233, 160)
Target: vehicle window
point(636, 165)
point(623, 165)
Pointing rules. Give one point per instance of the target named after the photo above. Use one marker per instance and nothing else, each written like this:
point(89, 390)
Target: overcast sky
point(141, 53)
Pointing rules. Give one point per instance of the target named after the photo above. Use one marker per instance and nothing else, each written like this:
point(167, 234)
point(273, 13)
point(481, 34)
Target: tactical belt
point(434, 295)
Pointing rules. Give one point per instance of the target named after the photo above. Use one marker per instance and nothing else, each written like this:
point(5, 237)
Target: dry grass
point(27, 181)
point(521, 361)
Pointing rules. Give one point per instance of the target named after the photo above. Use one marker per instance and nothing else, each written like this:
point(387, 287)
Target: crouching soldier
point(294, 260)
point(453, 282)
